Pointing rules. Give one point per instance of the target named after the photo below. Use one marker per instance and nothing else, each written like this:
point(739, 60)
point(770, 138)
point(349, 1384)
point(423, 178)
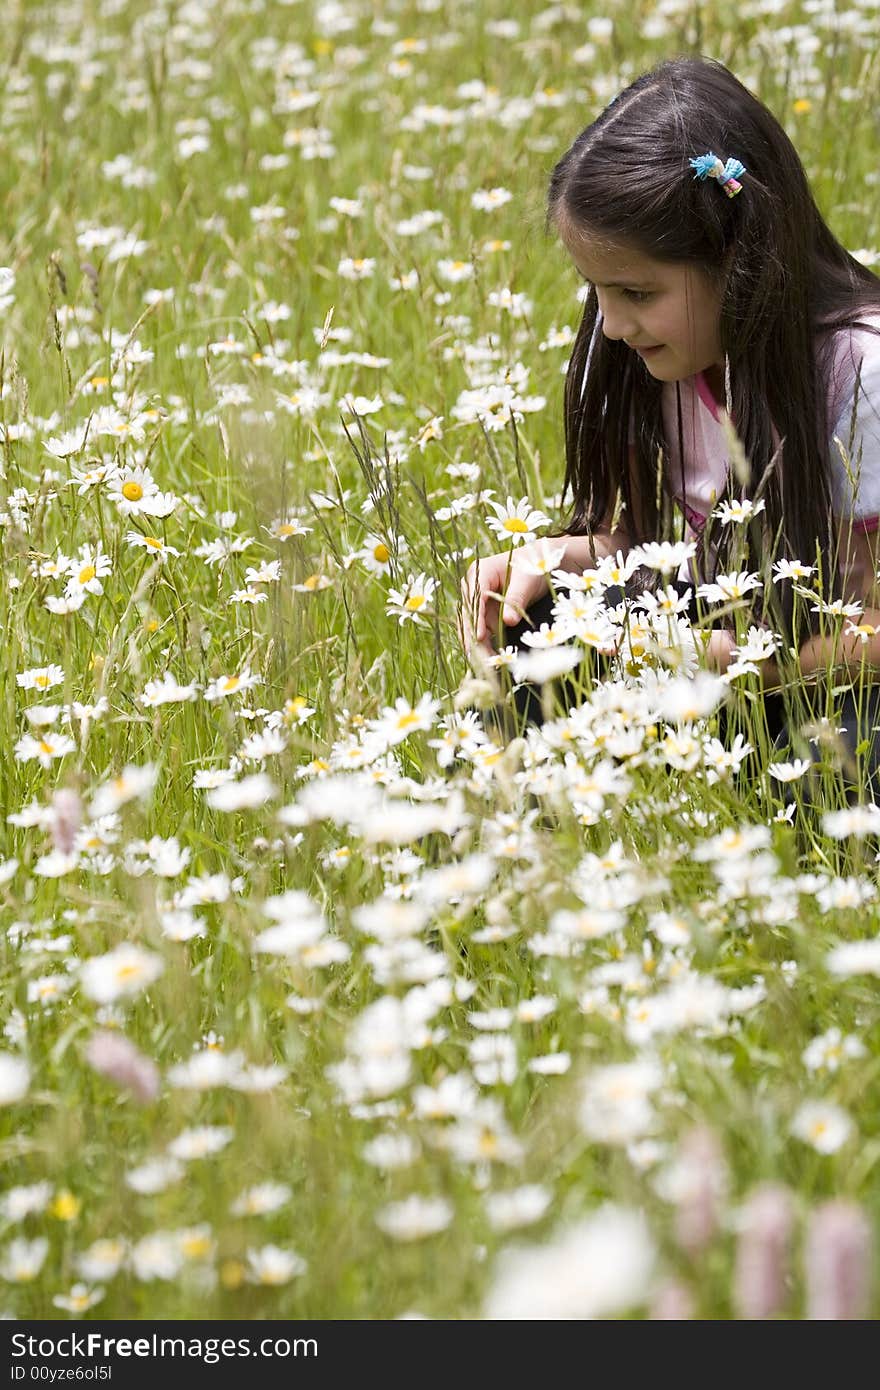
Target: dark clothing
point(792, 717)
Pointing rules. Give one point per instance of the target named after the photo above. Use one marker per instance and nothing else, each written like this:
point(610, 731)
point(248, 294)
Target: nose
point(617, 322)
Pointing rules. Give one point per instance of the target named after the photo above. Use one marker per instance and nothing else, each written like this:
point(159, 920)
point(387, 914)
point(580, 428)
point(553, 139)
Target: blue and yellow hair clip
point(709, 166)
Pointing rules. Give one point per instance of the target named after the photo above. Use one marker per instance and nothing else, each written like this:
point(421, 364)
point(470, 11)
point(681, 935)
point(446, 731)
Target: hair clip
point(709, 166)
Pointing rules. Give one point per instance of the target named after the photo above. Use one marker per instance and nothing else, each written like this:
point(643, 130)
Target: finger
point(514, 610)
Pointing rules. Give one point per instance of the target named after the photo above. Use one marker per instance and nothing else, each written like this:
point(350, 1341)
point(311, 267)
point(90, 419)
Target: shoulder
point(854, 365)
point(854, 413)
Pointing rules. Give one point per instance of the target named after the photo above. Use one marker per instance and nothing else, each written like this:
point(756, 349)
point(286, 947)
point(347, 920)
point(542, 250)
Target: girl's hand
point(497, 587)
point(719, 649)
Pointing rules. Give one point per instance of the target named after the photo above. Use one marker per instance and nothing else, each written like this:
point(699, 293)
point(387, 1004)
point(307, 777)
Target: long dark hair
point(787, 285)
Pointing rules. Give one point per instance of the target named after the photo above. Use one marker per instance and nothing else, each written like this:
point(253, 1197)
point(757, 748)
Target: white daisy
point(516, 522)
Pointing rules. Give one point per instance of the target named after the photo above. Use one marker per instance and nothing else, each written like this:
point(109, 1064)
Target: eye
point(638, 296)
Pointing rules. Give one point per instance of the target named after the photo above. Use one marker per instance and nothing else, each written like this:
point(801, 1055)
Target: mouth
point(647, 351)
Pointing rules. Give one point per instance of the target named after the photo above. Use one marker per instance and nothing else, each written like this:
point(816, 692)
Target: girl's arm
point(850, 652)
point(854, 647)
point(579, 550)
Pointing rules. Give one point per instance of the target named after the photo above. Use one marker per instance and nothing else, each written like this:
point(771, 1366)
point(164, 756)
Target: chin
point(662, 373)
point(667, 371)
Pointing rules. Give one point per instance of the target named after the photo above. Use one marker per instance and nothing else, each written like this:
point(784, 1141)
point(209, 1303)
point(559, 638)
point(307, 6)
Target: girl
point(713, 284)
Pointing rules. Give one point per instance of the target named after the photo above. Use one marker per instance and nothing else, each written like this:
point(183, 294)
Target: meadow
point(326, 993)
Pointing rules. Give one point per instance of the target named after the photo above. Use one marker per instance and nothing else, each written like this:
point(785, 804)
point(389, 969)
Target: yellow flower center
point(153, 542)
point(406, 719)
point(46, 747)
point(66, 1207)
point(515, 523)
point(285, 529)
point(41, 681)
point(414, 602)
point(231, 1274)
point(132, 491)
point(231, 683)
point(196, 1247)
point(99, 382)
point(381, 553)
point(86, 573)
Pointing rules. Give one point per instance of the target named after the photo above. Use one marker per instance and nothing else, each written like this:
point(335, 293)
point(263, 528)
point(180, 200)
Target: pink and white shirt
point(698, 481)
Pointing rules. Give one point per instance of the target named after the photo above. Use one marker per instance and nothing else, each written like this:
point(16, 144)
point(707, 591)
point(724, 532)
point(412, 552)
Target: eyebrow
point(620, 284)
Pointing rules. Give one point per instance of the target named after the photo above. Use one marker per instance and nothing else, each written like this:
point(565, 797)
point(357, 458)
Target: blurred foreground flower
point(80, 1299)
point(14, 1078)
point(839, 1261)
point(599, 1267)
point(23, 1259)
point(762, 1276)
point(132, 782)
point(272, 1265)
point(118, 1059)
point(119, 973)
point(415, 1217)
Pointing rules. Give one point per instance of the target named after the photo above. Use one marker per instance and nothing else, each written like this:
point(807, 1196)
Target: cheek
point(710, 311)
point(693, 332)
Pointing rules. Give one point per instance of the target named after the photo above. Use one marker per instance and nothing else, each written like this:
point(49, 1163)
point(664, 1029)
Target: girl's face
point(667, 312)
